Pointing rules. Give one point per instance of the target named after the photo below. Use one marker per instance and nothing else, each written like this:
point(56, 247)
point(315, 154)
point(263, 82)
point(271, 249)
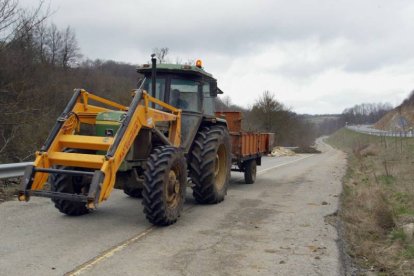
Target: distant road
point(369, 129)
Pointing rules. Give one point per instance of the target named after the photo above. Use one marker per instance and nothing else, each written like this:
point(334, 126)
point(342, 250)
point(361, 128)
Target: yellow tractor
point(150, 149)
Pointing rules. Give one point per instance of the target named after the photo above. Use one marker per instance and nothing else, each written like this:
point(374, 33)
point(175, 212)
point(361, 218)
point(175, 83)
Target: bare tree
point(8, 14)
point(161, 54)
point(178, 60)
point(266, 108)
point(40, 34)
point(365, 113)
point(190, 61)
point(54, 43)
point(268, 103)
point(6, 138)
point(27, 21)
point(70, 50)
point(227, 101)
point(16, 22)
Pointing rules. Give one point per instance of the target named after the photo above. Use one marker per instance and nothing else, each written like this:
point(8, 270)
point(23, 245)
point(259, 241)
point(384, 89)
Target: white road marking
point(284, 164)
point(117, 248)
point(108, 253)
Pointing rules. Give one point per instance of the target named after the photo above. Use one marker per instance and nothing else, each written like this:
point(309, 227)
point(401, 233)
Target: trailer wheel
point(210, 164)
point(165, 181)
point(71, 184)
point(250, 168)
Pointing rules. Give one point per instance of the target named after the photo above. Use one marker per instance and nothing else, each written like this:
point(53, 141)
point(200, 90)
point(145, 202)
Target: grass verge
point(378, 201)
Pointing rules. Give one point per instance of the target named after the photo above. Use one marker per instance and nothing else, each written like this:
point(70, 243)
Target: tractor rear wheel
point(210, 164)
point(70, 184)
point(250, 168)
point(165, 181)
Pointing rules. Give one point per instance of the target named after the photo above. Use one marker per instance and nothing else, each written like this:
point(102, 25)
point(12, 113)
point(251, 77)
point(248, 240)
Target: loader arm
point(64, 135)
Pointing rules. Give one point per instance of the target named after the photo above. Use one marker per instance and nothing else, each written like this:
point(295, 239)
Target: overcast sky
point(315, 56)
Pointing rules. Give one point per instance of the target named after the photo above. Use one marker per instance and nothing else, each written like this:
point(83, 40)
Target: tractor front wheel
point(165, 181)
point(70, 184)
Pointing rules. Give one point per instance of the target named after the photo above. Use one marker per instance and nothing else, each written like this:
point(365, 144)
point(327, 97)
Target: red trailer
point(247, 147)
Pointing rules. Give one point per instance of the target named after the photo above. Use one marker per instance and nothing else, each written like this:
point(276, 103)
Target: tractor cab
point(187, 87)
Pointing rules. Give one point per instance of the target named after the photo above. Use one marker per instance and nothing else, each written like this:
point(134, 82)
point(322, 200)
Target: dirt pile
point(281, 151)
point(400, 118)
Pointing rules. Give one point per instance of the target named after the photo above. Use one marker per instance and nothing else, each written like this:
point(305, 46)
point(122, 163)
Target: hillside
point(400, 118)
point(320, 119)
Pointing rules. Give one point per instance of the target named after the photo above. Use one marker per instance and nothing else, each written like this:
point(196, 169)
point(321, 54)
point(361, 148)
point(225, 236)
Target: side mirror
point(213, 89)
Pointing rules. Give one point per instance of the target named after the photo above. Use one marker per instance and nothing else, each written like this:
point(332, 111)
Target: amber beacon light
point(199, 63)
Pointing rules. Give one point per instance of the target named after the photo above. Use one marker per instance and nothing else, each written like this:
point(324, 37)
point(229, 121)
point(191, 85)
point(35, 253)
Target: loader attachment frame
point(63, 135)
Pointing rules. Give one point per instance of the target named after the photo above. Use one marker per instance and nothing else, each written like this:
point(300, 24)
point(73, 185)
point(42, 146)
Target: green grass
point(409, 252)
point(402, 204)
point(398, 234)
point(386, 179)
point(404, 210)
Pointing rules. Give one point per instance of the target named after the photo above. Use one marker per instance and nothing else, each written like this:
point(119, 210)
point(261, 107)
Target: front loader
point(150, 149)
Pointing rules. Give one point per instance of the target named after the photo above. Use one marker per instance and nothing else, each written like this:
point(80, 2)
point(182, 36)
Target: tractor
point(166, 139)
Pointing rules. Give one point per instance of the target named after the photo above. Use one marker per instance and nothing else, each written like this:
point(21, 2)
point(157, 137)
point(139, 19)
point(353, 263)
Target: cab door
point(186, 94)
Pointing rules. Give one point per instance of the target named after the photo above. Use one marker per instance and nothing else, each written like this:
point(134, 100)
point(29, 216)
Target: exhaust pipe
point(153, 74)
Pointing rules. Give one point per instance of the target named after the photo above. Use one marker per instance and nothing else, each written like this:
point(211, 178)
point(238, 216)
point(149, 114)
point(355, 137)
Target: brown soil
point(306, 150)
point(8, 188)
point(391, 120)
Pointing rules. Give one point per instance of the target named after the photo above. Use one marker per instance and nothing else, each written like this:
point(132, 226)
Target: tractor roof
point(174, 68)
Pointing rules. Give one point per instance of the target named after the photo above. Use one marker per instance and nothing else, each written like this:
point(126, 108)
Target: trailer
point(247, 147)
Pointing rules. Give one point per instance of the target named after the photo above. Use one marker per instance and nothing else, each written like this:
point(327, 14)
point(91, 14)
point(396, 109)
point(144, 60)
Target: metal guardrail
point(13, 169)
point(382, 133)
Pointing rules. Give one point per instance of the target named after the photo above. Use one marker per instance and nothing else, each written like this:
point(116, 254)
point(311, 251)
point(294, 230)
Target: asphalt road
point(369, 129)
point(276, 226)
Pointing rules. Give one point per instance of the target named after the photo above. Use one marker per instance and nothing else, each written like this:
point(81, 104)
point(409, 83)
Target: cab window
point(159, 89)
point(208, 101)
point(184, 95)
